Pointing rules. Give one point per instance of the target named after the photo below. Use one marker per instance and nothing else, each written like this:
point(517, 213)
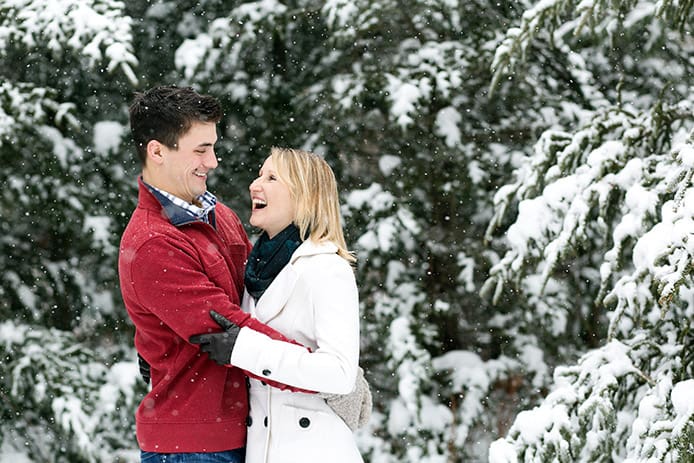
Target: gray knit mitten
point(354, 408)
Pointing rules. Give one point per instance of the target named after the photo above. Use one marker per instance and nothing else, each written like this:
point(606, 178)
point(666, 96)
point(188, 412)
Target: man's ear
point(154, 152)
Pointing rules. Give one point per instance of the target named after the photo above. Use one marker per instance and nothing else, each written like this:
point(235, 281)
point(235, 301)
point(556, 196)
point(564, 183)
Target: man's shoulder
point(221, 208)
point(227, 214)
point(145, 224)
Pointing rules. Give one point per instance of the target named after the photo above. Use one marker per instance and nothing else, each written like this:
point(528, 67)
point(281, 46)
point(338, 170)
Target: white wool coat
point(314, 301)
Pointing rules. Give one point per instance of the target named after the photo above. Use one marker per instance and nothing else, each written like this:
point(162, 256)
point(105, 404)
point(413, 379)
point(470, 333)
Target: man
point(181, 255)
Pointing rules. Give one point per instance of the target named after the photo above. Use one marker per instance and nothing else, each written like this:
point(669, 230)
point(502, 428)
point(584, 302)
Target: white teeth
point(259, 203)
point(199, 174)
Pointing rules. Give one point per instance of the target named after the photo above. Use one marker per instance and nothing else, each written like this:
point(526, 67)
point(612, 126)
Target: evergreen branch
point(25, 107)
point(678, 12)
point(597, 15)
point(54, 379)
point(97, 30)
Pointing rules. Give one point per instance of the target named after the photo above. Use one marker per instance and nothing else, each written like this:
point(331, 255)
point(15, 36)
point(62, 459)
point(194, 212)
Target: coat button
point(304, 422)
point(266, 372)
point(249, 420)
point(265, 422)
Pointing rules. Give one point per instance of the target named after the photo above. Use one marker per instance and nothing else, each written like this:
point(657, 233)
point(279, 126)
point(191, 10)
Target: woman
point(299, 281)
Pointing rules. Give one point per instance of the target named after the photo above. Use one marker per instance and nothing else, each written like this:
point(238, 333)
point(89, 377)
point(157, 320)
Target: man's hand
point(218, 345)
point(145, 370)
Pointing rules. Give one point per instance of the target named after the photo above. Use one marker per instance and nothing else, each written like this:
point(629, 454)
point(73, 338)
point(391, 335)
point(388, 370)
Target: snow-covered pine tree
point(66, 395)
point(604, 207)
point(394, 94)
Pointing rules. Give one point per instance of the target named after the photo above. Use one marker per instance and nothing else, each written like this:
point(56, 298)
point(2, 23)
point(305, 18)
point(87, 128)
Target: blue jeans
point(229, 456)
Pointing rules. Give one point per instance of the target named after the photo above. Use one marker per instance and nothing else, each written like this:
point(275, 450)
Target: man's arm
point(170, 283)
point(219, 346)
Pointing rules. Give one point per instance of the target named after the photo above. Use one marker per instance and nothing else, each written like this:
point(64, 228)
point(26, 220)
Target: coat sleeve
point(332, 366)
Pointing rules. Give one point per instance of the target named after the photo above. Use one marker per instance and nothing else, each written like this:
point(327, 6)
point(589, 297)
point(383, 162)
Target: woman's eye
point(272, 177)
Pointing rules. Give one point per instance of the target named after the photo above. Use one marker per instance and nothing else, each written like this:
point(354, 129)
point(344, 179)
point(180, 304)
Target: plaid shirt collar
point(181, 212)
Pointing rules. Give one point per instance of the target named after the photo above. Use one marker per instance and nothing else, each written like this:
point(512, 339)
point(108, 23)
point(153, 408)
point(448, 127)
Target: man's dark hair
point(166, 113)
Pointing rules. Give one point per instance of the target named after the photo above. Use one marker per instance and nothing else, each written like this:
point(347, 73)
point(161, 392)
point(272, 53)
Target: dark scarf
point(268, 257)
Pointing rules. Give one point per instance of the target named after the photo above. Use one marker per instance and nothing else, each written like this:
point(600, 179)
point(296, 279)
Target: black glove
point(218, 345)
point(144, 368)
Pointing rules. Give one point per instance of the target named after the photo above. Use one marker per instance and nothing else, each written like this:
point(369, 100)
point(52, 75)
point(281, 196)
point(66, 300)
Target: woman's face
point(272, 207)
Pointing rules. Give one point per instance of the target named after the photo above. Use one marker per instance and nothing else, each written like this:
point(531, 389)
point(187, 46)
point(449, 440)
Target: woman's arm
point(332, 366)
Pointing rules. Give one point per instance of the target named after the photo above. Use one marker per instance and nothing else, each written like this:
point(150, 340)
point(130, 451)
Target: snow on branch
point(590, 413)
point(50, 377)
point(426, 71)
point(99, 30)
point(226, 44)
point(562, 19)
point(349, 19)
point(662, 256)
point(23, 105)
point(601, 186)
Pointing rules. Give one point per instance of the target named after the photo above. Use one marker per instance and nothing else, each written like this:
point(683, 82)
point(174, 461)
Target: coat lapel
point(280, 290)
point(276, 295)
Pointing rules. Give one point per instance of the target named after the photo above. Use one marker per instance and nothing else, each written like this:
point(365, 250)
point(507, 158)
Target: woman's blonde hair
point(313, 189)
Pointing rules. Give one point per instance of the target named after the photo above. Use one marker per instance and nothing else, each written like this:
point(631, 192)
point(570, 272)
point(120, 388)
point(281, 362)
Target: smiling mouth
point(259, 204)
point(199, 174)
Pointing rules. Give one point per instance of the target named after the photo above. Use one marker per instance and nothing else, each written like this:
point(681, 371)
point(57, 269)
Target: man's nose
point(211, 161)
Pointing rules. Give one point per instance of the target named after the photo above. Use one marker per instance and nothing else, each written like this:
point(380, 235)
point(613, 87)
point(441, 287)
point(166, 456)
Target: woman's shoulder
point(319, 262)
point(312, 248)
point(325, 274)
point(321, 255)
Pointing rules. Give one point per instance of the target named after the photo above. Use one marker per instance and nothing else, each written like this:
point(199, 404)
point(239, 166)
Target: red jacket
point(170, 278)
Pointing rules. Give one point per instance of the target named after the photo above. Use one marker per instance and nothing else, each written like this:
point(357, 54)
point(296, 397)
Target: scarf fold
point(268, 257)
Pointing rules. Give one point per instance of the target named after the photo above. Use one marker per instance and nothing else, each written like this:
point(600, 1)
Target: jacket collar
point(151, 198)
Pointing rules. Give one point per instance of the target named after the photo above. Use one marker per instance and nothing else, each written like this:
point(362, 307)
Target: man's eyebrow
point(201, 145)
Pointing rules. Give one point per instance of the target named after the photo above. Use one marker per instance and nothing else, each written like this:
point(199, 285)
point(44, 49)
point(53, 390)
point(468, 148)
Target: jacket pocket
point(218, 272)
point(310, 433)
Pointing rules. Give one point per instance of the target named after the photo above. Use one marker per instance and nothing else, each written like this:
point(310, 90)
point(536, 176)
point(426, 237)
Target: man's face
point(184, 170)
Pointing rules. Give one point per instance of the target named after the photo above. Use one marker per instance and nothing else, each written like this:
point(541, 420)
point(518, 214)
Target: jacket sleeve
point(332, 366)
point(171, 285)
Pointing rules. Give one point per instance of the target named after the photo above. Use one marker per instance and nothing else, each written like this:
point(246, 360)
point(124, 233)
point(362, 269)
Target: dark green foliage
point(439, 119)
